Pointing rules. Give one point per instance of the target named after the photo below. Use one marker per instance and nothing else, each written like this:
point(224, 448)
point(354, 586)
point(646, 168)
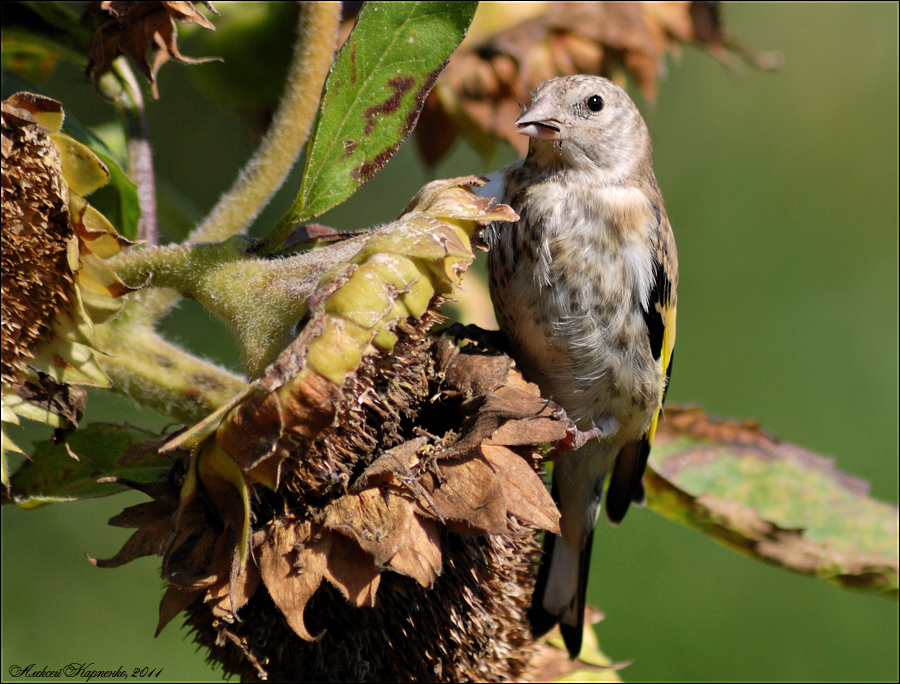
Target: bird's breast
point(568, 282)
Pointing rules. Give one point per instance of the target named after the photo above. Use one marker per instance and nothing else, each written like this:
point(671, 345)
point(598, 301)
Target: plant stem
point(260, 300)
point(290, 128)
point(130, 104)
point(159, 375)
point(266, 171)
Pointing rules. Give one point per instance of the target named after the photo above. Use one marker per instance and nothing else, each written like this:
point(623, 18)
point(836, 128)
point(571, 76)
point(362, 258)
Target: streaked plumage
point(584, 287)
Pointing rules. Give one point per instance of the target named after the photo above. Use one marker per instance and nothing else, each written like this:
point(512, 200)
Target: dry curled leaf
point(145, 32)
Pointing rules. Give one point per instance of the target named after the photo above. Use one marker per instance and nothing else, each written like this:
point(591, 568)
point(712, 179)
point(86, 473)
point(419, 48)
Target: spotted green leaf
point(373, 95)
point(774, 501)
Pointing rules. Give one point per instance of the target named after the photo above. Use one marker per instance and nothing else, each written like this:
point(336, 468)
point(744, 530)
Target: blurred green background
point(783, 191)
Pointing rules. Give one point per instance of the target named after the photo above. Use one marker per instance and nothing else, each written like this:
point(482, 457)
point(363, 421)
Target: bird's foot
point(575, 438)
point(485, 340)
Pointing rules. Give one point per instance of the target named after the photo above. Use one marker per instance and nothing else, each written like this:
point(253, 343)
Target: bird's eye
point(595, 103)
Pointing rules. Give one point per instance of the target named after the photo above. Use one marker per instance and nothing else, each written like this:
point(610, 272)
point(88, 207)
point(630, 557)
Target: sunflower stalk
point(161, 376)
point(260, 300)
point(130, 105)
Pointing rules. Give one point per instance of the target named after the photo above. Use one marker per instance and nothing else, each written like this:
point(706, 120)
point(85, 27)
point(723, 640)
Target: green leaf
point(373, 95)
point(30, 60)
point(102, 450)
point(774, 501)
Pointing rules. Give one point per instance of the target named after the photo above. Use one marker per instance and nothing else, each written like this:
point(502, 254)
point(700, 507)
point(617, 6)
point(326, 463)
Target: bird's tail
point(560, 588)
point(559, 594)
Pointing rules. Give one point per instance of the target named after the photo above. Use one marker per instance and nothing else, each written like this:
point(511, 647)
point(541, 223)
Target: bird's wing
point(625, 483)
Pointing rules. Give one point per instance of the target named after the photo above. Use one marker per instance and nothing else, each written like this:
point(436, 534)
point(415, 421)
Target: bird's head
point(578, 120)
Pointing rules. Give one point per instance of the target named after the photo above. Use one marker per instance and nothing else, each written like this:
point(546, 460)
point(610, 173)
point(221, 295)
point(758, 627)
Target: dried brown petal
point(392, 467)
point(229, 594)
point(374, 518)
point(523, 490)
point(224, 485)
point(175, 600)
point(529, 418)
point(149, 540)
point(195, 556)
point(292, 570)
point(478, 376)
point(142, 514)
point(467, 490)
point(421, 557)
point(352, 571)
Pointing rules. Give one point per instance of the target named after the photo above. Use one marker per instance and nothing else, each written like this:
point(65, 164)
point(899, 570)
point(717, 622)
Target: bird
point(584, 289)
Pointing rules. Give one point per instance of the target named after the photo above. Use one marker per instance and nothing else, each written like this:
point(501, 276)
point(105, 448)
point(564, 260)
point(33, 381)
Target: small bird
point(584, 288)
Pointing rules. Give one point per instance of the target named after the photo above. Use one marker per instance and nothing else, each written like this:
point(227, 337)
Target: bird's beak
point(542, 120)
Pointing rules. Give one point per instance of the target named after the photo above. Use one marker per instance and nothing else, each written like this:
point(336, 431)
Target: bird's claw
point(575, 438)
point(559, 413)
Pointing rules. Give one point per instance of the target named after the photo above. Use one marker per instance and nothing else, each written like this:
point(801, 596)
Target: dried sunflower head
point(55, 285)
point(374, 494)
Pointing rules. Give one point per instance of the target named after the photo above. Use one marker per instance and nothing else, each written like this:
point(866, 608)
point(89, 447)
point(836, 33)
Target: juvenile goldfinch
point(584, 287)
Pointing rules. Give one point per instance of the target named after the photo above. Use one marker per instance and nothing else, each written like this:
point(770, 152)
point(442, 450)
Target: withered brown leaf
point(145, 32)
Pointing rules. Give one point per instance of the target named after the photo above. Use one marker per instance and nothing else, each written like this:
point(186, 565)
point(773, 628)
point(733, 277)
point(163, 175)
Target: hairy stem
point(266, 171)
point(290, 127)
point(160, 376)
point(130, 104)
point(179, 267)
point(260, 300)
